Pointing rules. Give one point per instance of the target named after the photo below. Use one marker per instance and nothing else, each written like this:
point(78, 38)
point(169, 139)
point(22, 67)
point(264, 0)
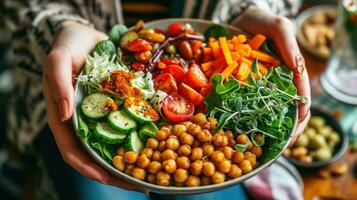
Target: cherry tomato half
point(176, 71)
point(169, 61)
point(177, 109)
point(195, 77)
point(139, 45)
point(178, 28)
point(165, 82)
point(137, 66)
point(190, 94)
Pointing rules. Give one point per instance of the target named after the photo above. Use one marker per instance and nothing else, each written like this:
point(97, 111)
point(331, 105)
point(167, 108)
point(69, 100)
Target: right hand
point(73, 43)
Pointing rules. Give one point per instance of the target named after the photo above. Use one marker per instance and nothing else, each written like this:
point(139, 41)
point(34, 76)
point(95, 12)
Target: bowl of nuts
point(322, 143)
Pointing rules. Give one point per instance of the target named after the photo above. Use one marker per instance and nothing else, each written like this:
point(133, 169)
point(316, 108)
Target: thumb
point(59, 73)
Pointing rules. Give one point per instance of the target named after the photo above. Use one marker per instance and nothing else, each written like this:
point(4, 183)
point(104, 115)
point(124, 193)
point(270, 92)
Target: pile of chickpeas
point(188, 154)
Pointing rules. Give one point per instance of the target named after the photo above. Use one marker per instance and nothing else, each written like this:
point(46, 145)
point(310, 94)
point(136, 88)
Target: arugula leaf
point(220, 88)
point(241, 147)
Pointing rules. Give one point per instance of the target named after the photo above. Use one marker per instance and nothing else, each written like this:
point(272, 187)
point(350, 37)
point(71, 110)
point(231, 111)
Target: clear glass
point(340, 77)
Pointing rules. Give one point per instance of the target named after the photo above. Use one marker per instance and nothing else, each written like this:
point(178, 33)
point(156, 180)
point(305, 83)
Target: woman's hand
point(73, 43)
point(280, 30)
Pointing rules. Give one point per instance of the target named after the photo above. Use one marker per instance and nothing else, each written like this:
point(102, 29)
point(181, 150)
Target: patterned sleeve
point(227, 10)
point(33, 25)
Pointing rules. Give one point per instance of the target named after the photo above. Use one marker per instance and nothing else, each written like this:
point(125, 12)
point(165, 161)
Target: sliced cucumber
point(138, 110)
point(94, 106)
point(120, 121)
point(133, 142)
point(149, 130)
point(106, 134)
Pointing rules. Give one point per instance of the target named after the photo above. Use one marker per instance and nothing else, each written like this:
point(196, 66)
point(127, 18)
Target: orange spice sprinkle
point(119, 82)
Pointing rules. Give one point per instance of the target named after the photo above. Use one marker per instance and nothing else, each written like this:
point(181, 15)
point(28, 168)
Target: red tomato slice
point(190, 94)
point(177, 109)
point(139, 45)
point(169, 61)
point(195, 77)
point(178, 28)
point(165, 82)
point(176, 71)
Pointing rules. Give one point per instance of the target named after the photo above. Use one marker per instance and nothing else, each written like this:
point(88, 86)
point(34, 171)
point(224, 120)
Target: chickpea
point(168, 129)
point(217, 156)
point(193, 181)
point(183, 162)
point(228, 152)
point(205, 125)
point(138, 173)
point(257, 151)
point(156, 156)
point(194, 129)
point(250, 146)
point(196, 154)
point(186, 139)
point(180, 175)
point(148, 152)
point(184, 150)
point(242, 139)
point(205, 180)
point(128, 169)
point(143, 161)
point(151, 178)
point(162, 146)
point(179, 129)
point(177, 184)
point(232, 142)
point(168, 154)
point(196, 167)
point(213, 123)
point(152, 143)
point(259, 138)
point(119, 163)
point(187, 124)
point(169, 166)
point(245, 166)
point(224, 166)
point(237, 157)
point(154, 167)
point(131, 157)
point(162, 135)
point(163, 178)
point(229, 134)
point(208, 168)
point(199, 118)
point(251, 157)
point(196, 143)
point(172, 143)
point(235, 171)
point(204, 136)
point(220, 140)
point(121, 151)
point(217, 177)
point(208, 149)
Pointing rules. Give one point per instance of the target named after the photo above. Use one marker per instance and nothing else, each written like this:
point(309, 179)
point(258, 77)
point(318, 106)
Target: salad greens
point(216, 31)
point(258, 106)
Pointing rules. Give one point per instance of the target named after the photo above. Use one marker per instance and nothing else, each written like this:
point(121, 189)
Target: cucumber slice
point(133, 142)
point(106, 134)
point(138, 109)
point(94, 106)
point(148, 130)
point(120, 121)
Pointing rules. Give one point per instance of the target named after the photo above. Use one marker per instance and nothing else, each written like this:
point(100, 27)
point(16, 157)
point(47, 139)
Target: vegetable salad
point(179, 107)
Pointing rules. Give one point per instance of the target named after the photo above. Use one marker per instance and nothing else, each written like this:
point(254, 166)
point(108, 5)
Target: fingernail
point(63, 109)
point(299, 64)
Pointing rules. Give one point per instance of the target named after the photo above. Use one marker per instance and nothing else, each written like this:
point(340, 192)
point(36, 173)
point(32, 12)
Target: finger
point(59, 73)
point(302, 84)
point(67, 143)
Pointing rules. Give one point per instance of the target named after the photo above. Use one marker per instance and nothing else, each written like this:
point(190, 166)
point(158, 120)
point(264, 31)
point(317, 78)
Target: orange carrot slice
point(265, 57)
point(257, 41)
point(228, 71)
point(215, 49)
point(243, 71)
point(225, 49)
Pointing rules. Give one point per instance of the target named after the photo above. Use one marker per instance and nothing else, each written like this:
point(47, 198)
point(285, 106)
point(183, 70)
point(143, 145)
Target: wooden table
point(334, 187)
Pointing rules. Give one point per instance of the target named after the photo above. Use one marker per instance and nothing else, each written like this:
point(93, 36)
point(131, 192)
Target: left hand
point(280, 29)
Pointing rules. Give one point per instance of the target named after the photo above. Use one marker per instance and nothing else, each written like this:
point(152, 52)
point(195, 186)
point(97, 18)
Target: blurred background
point(327, 35)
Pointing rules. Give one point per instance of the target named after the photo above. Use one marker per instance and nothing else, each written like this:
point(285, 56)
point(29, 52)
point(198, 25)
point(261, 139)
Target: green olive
point(310, 132)
point(316, 122)
point(151, 35)
point(303, 141)
point(322, 154)
point(317, 142)
point(127, 38)
point(171, 49)
point(324, 130)
point(333, 138)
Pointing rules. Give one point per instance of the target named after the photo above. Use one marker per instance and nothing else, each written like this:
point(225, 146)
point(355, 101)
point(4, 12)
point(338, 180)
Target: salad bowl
point(199, 26)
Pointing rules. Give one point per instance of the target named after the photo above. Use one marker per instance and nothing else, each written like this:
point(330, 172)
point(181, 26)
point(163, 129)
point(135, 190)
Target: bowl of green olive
point(322, 142)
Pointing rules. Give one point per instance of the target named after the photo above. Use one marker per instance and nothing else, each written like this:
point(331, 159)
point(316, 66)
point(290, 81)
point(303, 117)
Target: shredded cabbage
point(145, 83)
